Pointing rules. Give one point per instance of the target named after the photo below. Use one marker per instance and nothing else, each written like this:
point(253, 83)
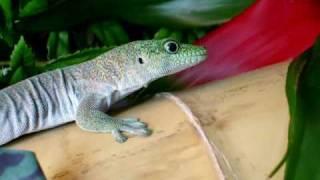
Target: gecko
point(84, 92)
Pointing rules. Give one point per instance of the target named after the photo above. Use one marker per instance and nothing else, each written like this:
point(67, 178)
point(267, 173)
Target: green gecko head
point(145, 61)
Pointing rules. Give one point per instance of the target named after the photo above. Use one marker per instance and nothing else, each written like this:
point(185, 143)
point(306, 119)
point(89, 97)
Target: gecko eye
point(140, 60)
point(171, 46)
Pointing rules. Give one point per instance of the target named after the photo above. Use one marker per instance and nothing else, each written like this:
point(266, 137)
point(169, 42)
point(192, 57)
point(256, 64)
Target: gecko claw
point(119, 137)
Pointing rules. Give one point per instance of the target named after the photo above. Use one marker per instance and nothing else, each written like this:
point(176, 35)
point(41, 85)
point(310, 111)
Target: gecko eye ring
point(171, 46)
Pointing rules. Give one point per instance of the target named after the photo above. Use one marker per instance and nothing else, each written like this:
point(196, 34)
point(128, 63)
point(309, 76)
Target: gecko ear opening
point(140, 60)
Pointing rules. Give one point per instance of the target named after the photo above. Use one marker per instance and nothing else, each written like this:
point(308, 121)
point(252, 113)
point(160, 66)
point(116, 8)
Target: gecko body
point(85, 92)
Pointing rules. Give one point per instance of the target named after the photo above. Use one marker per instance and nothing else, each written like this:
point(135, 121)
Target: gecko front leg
point(90, 116)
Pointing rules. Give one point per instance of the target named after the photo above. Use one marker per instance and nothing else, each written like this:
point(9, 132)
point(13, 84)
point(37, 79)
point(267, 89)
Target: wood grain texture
point(174, 151)
point(246, 118)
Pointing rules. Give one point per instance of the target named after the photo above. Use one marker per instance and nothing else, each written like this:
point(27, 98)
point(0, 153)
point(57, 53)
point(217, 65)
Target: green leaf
point(22, 55)
point(58, 44)
point(76, 58)
point(169, 33)
point(199, 33)
point(6, 7)
point(177, 35)
point(18, 75)
point(303, 87)
point(6, 31)
point(110, 33)
point(293, 75)
point(31, 7)
point(162, 33)
point(7, 36)
point(174, 13)
point(183, 36)
point(191, 38)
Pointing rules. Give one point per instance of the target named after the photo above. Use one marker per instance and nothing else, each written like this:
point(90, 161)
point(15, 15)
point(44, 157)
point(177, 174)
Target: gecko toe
point(135, 123)
point(140, 131)
point(119, 137)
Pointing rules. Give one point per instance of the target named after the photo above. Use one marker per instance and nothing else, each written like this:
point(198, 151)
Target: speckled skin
point(86, 91)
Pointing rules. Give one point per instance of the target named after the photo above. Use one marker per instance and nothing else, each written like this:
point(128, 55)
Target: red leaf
point(268, 32)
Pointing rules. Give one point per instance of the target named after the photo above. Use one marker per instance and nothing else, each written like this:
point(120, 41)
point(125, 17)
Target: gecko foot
point(117, 126)
point(120, 138)
point(135, 126)
point(131, 126)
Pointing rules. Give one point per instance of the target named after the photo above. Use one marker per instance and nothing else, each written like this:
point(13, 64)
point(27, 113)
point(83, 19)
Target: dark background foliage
point(41, 35)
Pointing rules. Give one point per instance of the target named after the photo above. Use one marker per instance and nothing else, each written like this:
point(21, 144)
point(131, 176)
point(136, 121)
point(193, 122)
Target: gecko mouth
point(190, 61)
point(197, 58)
